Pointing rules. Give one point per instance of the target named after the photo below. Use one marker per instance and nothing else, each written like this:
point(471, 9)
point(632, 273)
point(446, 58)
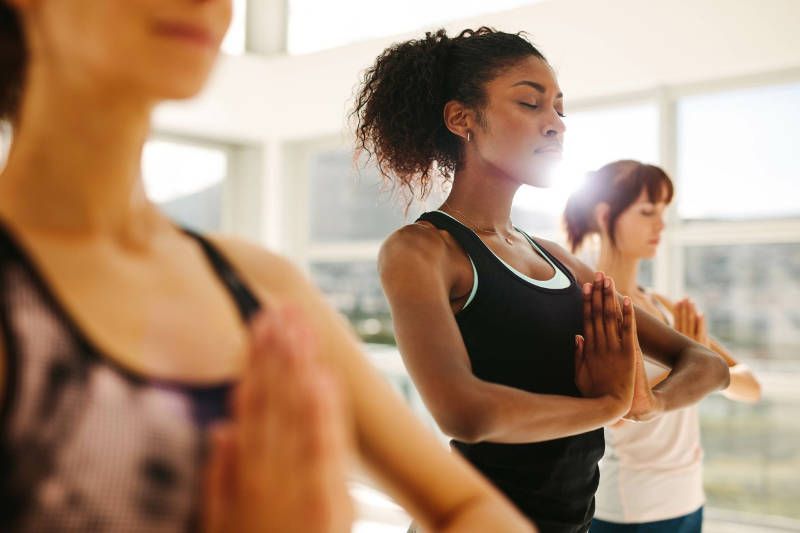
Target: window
point(737, 154)
point(347, 205)
point(315, 25)
point(350, 213)
point(751, 296)
point(736, 174)
point(593, 138)
point(187, 180)
point(354, 289)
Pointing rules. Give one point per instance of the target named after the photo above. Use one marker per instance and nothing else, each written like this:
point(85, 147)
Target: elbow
point(756, 391)
point(466, 425)
point(754, 394)
point(744, 385)
point(721, 371)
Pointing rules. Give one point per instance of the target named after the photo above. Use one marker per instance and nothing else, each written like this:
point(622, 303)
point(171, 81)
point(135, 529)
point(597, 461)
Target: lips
point(187, 32)
point(550, 149)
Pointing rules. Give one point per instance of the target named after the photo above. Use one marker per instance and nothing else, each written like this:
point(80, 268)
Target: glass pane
point(187, 181)
point(347, 205)
point(751, 296)
point(751, 451)
point(354, 289)
point(315, 25)
point(737, 154)
point(235, 41)
point(593, 138)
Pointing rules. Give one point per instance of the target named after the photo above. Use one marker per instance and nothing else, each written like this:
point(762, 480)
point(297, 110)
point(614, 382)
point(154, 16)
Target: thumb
point(219, 480)
point(580, 357)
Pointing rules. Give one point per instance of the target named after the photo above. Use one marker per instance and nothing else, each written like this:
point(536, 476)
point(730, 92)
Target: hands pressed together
point(281, 463)
point(608, 359)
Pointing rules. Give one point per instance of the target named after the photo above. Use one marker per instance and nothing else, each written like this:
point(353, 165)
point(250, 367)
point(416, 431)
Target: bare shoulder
point(268, 273)
point(414, 243)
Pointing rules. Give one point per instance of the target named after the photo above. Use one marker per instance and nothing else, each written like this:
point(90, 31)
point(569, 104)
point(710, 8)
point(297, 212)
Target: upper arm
point(389, 437)
point(414, 274)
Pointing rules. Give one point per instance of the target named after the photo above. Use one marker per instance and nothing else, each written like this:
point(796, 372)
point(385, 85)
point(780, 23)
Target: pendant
point(509, 241)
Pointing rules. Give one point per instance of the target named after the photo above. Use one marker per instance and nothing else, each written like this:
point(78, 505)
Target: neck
point(74, 164)
point(483, 198)
point(623, 269)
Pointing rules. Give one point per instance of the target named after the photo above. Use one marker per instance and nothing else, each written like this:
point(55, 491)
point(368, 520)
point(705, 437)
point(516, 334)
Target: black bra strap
point(246, 301)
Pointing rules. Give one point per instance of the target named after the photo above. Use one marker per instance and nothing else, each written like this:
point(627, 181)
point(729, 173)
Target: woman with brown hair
point(624, 203)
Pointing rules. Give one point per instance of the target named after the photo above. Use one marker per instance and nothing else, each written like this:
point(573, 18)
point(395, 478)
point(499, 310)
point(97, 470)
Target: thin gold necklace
point(471, 225)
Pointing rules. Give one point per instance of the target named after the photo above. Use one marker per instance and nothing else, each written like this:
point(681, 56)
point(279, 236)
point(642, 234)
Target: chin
point(541, 179)
point(178, 85)
point(650, 252)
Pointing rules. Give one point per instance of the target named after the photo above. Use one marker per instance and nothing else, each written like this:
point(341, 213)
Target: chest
point(163, 314)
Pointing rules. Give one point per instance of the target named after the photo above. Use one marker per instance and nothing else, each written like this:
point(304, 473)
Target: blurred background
point(708, 89)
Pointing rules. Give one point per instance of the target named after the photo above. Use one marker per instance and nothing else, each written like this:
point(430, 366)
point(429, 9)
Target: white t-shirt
point(652, 470)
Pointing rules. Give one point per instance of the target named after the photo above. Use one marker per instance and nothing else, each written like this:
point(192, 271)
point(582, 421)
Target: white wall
point(599, 49)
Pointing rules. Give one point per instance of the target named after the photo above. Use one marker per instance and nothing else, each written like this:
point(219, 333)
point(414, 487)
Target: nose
point(554, 126)
point(660, 224)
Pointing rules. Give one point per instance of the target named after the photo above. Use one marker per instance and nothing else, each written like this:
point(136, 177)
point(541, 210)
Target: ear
point(602, 213)
point(459, 119)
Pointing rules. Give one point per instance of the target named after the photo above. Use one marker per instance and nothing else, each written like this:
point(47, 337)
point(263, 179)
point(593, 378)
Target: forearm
point(487, 514)
point(507, 415)
point(744, 386)
point(696, 373)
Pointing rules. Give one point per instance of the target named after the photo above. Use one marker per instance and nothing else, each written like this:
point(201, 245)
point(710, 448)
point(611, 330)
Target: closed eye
point(534, 106)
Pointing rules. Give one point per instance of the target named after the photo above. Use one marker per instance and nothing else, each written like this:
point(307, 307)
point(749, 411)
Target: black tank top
point(523, 336)
point(86, 444)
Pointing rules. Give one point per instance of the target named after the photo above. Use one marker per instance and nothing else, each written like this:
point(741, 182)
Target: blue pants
point(690, 523)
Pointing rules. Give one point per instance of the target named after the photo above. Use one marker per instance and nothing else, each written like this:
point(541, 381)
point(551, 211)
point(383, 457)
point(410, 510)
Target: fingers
point(691, 319)
point(630, 340)
point(680, 317)
point(579, 353)
point(597, 311)
point(272, 397)
point(327, 454)
point(611, 315)
point(219, 480)
point(702, 330)
point(588, 344)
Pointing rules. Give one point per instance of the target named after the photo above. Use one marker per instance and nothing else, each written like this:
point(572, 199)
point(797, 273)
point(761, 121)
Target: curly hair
point(13, 57)
point(398, 108)
point(618, 184)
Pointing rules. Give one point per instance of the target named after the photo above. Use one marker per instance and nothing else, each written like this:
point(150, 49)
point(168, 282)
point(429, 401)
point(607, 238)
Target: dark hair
point(12, 61)
point(399, 107)
point(618, 184)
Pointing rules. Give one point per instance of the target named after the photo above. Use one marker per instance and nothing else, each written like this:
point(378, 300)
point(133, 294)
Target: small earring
point(469, 136)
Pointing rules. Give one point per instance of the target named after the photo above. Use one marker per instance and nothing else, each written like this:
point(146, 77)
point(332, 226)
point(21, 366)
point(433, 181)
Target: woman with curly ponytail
point(624, 204)
point(521, 353)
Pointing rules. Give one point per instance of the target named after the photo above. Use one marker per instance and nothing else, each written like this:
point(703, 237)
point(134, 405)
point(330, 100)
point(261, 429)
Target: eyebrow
point(538, 86)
